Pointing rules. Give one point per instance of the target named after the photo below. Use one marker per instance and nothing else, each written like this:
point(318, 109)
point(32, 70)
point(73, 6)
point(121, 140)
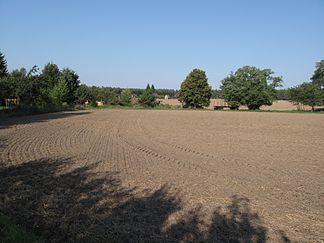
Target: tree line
point(53, 88)
point(36, 90)
point(252, 87)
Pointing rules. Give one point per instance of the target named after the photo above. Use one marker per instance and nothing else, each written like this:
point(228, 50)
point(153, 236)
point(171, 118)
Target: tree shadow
point(7, 122)
point(65, 203)
point(239, 224)
point(3, 142)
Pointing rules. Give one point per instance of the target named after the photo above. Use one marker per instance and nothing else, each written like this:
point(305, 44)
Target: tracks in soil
point(127, 142)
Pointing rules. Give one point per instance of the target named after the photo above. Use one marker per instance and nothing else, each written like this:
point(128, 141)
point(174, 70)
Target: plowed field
point(165, 176)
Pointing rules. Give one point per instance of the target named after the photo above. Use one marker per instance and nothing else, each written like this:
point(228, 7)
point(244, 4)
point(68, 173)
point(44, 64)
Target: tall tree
point(195, 90)
point(6, 87)
point(318, 76)
point(50, 74)
point(72, 81)
point(148, 98)
point(3, 66)
point(318, 79)
point(250, 86)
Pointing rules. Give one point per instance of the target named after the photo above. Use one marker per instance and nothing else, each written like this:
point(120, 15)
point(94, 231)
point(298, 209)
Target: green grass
point(12, 233)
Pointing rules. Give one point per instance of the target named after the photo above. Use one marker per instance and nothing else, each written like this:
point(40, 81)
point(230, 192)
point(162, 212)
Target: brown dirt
point(285, 105)
point(165, 176)
point(279, 105)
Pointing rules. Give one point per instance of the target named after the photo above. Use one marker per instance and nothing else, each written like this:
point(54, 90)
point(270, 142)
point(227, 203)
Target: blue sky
point(130, 43)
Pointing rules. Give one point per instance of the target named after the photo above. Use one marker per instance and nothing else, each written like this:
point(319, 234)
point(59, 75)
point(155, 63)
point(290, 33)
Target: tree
point(318, 76)
point(195, 90)
point(72, 81)
point(148, 98)
point(51, 75)
point(306, 94)
point(3, 66)
point(59, 93)
point(250, 86)
point(125, 97)
point(29, 88)
point(4, 84)
point(9, 85)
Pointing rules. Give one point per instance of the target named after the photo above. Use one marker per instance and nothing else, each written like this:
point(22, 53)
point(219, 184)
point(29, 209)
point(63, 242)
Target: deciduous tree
point(195, 90)
point(306, 94)
point(50, 75)
point(250, 86)
point(318, 76)
point(72, 81)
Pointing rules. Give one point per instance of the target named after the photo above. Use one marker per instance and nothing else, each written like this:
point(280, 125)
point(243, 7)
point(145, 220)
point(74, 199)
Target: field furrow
point(274, 161)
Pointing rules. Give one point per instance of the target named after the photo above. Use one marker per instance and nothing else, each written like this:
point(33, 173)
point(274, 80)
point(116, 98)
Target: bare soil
point(165, 176)
point(278, 105)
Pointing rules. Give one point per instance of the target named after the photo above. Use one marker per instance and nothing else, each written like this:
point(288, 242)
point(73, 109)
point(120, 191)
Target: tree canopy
point(318, 79)
point(50, 75)
point(310, 93)
point(195, 90)
point(72, 81)
point(318, 76)
point(38, 90)
point(306, 94)
point(250, 86)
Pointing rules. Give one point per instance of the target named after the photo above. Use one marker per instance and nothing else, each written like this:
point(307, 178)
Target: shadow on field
point(10, 121)
point(3, 142)
point(66, 204)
